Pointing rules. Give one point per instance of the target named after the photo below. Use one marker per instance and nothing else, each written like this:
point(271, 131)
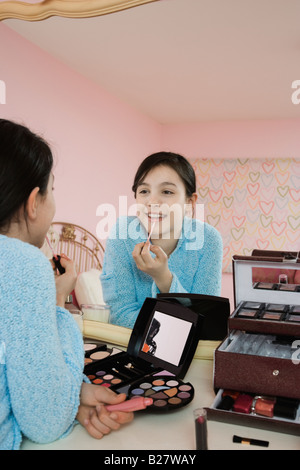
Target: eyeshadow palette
point(277, 286)
point(266, 311)
point(101, 377)
point(115, 371)
point(162, 343)
point(167, 392)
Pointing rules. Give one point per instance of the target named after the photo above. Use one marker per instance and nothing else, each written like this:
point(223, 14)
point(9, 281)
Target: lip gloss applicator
point(56, 258)
point(151, 230)
point(135, 404)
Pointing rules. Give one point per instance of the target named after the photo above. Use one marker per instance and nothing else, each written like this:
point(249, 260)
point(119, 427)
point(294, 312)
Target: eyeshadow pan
point(255, 305)
point(163, 372)
point(183, 395)
point(295, 309)
point(145, 385)
point(160, 387)
point(276, 307)
point(116, 381)
point(174, 401)
point(97, 381)
point(138, 391)
point(295, 318)
point(159, 382)
point(271, 316)
point(171, 392)
point(115, 351)
point(185, 388)
point(89, 346)
point(99, 355)
point(108, 377)
point(287, 287)
point(172, 383)
point(247, 313)
point(160, 403)
point(158, 395)
point(265, 285)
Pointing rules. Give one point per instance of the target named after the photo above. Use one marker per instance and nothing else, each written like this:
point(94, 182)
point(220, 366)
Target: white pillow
point(88, 289)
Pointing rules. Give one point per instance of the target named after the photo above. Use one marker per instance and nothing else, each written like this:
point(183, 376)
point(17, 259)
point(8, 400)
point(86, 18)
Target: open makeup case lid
point(160, 349)
point(215, 311)
point(165, 336)
point(252, 290)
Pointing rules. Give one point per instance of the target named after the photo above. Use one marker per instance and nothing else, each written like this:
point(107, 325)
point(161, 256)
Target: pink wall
point(235, 139)
point(97, 140)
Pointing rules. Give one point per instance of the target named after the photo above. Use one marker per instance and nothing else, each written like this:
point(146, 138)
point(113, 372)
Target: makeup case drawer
point(263, 374)
point(289, 424)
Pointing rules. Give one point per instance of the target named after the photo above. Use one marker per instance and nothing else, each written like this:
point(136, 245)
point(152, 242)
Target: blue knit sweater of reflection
point(196, 266)
point(41, 350)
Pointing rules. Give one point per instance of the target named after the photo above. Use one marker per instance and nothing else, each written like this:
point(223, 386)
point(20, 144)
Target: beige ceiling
point(186, 60)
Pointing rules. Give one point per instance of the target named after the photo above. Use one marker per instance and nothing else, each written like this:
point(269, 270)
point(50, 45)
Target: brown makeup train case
point(258, 363)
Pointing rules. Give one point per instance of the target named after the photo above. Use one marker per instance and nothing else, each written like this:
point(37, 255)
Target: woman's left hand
point(66, 282)
point(156, 267)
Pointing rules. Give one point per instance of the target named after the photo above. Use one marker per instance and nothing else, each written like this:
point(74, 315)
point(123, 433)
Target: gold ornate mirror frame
point(66, 8)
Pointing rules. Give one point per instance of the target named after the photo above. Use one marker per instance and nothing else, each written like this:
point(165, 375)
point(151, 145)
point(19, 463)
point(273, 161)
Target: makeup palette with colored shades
point(160, 349)
point(267, 311)
point(168, 393)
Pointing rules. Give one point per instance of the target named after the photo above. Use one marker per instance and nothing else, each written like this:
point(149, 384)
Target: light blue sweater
point(41, 350)
point(196, 266)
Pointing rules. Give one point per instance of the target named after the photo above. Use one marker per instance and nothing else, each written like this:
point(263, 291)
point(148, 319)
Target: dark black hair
point(177, 162)
point(25, 163)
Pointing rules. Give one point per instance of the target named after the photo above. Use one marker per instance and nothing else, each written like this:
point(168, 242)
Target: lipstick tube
point(264, 406)
point(200, 416)
point(286, 408)
point(243, 403)
point(56, 258)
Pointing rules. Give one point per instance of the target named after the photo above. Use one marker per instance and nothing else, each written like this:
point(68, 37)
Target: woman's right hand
point(156, 267)
point(65, 283)
point(94, 416)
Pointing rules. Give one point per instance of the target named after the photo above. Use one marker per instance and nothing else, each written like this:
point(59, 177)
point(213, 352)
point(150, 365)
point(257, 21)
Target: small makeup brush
point(151, 230)
point(56, 258)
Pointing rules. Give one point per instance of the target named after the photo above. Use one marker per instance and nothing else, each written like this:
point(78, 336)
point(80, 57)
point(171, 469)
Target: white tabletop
point(173, 431)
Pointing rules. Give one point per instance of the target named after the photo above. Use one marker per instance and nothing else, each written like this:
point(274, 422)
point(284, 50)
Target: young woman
point(182, 255)
point(42, 388)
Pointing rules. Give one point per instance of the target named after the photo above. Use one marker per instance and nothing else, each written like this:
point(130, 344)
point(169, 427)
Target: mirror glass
point(276, 279)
